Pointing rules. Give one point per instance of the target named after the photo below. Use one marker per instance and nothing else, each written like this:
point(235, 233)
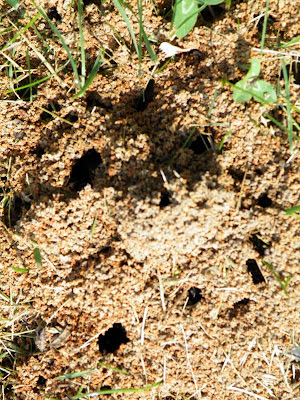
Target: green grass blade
point(129, 26)
point(211, 107)
point(38, 81)
point(293, 210)
point(81, 36)
point(91, 77)
point(143, 33)
point(29, 73)
point(264, 30)
point(211, 2)
point(61, 38)
point(42, 40)
point(283, 283)
point(22, 31)
point(80, 390)
point(93, 226)
point(185, 16)
point(164, 65)
point(121, 371)
point(54, 115)
point(290, 43)
point(112, 391)
point(6, 30)
point(13, 3)
point(11, 71)
point(140, 10)
point(4, 296)
point(3, 355)
point(224, 140)
point(227, 4)
point(187, 142)
point(21, 270)
point(75, 374)
point(288, 104)
point(282, 127)
point(126, 5)
point(37, 256)
point(148, 46)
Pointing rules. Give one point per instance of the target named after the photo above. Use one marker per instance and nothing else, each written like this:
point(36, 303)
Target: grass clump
point(15, 340)
point(82, 81)
point(18, 74)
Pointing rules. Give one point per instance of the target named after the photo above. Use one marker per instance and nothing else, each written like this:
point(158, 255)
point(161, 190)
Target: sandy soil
point(152, 251)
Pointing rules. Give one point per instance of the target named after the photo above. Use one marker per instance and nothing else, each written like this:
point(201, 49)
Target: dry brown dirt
point(134, 227)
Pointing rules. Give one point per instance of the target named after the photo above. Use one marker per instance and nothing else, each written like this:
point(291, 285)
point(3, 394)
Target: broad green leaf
point(250, 87)
point(185, 16)
point(263, 91)
point(254, 69)
point(241, 91)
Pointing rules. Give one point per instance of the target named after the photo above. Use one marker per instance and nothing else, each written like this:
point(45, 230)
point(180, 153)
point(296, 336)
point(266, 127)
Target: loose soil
point(151, 249)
